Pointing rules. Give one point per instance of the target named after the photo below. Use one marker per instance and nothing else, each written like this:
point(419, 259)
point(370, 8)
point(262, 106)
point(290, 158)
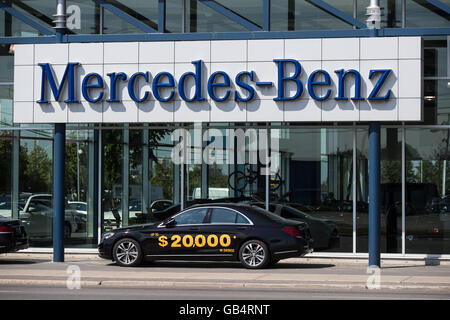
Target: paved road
point(110, 293)
point(36, 277)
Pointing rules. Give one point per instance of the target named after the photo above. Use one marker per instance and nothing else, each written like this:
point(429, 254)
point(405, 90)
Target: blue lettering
point(341, 84)
point(114, 77)
point(198, 83)
point(212, 84)
point(250, 89)
point(86, 86)
point(282, 79)
point(47, 73)
point(312, 83)
point(317, 79)
point(156, 85)
point(131, 86)
point(384, 75)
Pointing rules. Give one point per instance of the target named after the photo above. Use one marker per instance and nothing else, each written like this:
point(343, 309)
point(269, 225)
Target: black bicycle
point(239, 180)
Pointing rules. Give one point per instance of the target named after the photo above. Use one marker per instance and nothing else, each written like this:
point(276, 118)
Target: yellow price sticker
point(200, 240)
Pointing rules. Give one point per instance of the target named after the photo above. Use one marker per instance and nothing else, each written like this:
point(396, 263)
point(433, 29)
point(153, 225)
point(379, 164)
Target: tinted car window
point(194, 216)
point(220, 215)
point(240, 219)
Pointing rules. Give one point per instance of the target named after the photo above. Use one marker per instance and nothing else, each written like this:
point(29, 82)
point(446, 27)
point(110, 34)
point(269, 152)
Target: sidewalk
point(290, 274)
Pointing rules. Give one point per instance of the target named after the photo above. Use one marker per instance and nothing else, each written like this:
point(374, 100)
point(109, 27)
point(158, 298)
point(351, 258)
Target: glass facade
point(119, 175)
point(88, 17)
point(427, 214)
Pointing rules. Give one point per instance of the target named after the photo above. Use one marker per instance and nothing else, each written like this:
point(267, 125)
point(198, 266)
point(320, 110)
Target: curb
point(218, 285)
point(72, 257)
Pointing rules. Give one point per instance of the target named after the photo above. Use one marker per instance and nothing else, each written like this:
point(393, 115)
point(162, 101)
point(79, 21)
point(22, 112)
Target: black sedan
point(323, 231)
point(12, 235)
point(233, 232)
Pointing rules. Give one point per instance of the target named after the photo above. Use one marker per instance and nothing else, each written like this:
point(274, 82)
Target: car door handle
point(194, 229)
point(242, 228)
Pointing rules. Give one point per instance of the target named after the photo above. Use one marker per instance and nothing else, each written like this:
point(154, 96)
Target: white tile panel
point(155, 111)
point(378, 110)
point(53, 53)
point(188, 51)
point(410, 48)
point(265, 110)
point(157, 52)
point(24, 76)
point(198, 111)
point(410, 78)
point(52, 112)
point(23, 54)
point(229, 51)
point(303, 49)
point(342, 110)
point(120, 52)
point(265, 50)
point(228, 111)
point(86, 53)
point(340, 49)
point(23, 112)
point(378, 48)
point(85, 112)
point(410, 109)
point(121, 112)
point(302, 110)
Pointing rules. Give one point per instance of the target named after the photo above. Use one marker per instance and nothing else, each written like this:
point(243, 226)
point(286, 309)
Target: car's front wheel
point(254, 254)
point(127, 253)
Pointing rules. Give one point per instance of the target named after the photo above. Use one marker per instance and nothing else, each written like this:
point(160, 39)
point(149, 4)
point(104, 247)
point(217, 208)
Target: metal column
point(374, 23)
point(374, 194)
point(59, 155)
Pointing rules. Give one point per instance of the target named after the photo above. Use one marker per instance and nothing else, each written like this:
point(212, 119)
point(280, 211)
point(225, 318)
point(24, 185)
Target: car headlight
point(107, 235)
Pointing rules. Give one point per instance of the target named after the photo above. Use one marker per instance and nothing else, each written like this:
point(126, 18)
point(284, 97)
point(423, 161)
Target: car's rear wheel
point(127, 253)
point(254, 254)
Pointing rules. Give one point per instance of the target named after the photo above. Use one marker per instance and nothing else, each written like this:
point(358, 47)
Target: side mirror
point(169, 223)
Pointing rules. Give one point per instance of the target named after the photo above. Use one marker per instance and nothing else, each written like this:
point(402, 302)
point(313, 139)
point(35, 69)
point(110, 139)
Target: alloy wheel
point(253, 254)
point(127, 252)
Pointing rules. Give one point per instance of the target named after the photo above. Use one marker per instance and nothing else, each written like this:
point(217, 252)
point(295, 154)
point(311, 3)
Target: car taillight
point(293, 231)
point(6, 229)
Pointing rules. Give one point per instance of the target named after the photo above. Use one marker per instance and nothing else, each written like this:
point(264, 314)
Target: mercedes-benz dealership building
point(337, 113)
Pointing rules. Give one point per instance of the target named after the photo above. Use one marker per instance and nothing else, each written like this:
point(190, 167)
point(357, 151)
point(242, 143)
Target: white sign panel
point(281, 80)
